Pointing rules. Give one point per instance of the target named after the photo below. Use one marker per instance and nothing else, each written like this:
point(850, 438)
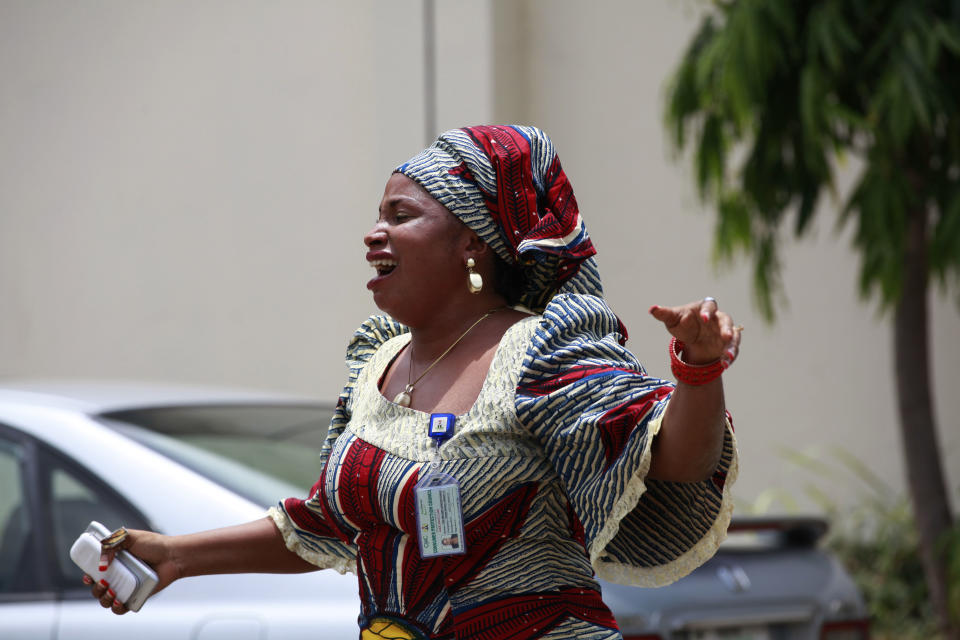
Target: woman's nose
point(375, 236)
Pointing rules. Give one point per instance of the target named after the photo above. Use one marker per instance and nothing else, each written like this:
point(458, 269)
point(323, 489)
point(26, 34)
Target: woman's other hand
point(707, 333)
point(254, 547)
point(152, 548)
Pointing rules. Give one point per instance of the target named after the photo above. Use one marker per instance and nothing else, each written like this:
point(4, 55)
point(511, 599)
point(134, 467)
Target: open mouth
point(383, 267)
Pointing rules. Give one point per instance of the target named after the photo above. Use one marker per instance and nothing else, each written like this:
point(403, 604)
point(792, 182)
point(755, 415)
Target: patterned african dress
point(551, 462)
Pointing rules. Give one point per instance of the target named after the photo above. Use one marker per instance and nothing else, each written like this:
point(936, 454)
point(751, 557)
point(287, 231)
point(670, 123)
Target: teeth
point(383, 263)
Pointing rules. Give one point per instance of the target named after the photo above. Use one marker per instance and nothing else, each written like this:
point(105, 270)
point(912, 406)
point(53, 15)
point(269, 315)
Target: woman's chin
point(386, 301)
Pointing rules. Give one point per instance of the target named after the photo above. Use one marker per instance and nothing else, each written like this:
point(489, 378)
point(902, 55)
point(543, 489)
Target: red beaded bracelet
point(691, 373)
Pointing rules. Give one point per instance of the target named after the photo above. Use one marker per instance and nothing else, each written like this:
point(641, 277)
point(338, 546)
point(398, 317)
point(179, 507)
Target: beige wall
point(184, 186)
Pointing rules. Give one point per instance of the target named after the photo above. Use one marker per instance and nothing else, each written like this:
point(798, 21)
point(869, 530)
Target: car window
point(75, 497)
point(282, 441)
point(17, 573)
point(260, 488)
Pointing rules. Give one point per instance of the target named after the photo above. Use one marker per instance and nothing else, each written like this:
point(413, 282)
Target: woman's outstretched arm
point(688, 446)
point(254, 547)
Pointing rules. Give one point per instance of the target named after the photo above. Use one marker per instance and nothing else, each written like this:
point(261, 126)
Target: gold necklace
point(403, 398)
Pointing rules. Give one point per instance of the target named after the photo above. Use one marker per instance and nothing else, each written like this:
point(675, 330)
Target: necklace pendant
point(403, 398)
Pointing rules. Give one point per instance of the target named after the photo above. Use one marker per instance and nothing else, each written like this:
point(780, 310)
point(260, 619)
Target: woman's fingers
point(684, 322)
point(106, 557)
point(707, 332)
point(105, 595)
point(100, 587)
point(96, 588)
point(733, 345)
point(666, 315)
point(708, 309)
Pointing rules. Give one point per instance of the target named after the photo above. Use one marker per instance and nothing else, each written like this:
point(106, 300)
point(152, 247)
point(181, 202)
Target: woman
point(496, 443)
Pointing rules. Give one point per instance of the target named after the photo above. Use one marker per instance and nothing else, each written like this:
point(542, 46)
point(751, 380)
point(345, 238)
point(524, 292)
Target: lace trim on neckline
point(403, 431)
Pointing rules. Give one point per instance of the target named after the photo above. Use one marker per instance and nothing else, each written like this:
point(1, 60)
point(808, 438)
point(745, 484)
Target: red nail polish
point(105, 583)
point(654, 308)
point(705, 317)
point(113, 594)
point(103, 567)
point(87, 580)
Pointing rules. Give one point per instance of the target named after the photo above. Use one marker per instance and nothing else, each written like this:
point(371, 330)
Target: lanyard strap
point(441, 430)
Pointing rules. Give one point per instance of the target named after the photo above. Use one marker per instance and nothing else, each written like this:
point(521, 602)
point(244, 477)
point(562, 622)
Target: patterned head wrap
point(507, 185)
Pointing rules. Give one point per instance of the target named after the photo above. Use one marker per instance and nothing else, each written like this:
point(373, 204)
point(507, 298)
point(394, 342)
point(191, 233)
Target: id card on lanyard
point(437, 495)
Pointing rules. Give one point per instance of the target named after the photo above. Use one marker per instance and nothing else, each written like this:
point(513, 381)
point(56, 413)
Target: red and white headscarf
point(507, 185)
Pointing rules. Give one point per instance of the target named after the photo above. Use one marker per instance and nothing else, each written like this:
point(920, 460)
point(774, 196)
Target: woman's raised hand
point(707, 333)
point(152, 548)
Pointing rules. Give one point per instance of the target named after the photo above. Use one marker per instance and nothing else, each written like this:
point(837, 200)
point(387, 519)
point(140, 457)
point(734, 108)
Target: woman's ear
point(476, 248)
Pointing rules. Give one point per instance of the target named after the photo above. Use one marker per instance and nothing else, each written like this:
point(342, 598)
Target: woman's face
point(418, 249)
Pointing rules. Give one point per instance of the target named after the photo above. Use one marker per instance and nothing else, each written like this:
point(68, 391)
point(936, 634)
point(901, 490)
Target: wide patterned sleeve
point(595, 411)
point(306, 523)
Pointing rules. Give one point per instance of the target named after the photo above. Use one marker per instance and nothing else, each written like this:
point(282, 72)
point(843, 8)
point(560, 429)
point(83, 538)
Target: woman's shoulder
point(575, 313)
point(373, 333)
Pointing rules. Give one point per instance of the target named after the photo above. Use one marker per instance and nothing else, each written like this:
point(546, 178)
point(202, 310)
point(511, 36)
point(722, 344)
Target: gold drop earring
point(474, 279)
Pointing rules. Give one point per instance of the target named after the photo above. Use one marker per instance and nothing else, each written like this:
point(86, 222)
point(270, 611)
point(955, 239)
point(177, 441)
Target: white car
point(177, 460)
point(64, 461)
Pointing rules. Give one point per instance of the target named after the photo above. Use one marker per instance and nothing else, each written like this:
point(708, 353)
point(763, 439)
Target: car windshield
point(261, 452)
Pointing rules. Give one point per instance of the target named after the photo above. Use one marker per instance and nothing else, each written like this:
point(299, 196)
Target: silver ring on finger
point(710, 299)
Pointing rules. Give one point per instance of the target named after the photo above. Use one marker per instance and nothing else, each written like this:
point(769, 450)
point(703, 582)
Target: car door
point(28, 602)
point(46, 501)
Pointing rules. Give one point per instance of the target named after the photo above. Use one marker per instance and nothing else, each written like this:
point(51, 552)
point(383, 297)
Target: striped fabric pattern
point(506, 183)
point(603, 413)
point(551, 462)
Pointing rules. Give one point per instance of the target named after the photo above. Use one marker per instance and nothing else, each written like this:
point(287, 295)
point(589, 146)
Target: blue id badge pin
point(441, 426)
point(439, 516)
